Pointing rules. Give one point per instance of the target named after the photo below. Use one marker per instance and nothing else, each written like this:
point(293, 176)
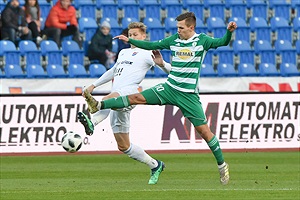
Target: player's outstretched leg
point(156, 172)
point(92, 103)
point(86, 122)
point(224, 174)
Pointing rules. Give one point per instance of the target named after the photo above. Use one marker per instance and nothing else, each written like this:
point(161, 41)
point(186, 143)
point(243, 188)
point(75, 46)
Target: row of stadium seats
point(70, 58)
point(278, 29)
point(96, 70)
point(161, 8)
point(70, 53)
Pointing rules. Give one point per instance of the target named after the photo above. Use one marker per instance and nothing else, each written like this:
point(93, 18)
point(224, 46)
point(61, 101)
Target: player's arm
point(161, 44)
point(223, 41)
point(107, 76)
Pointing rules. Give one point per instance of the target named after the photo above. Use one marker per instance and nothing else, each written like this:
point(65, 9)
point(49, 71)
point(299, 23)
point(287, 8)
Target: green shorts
point(188, 103)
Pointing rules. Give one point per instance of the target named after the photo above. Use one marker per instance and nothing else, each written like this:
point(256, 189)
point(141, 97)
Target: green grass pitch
point(254, 175)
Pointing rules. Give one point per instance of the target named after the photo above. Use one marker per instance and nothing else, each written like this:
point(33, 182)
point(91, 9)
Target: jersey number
point(159, 88)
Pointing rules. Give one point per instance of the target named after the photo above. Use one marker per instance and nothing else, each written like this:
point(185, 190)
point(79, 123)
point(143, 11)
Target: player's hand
point(90, 89)
point(121, 37)
point(157, 58)
point(231, 26)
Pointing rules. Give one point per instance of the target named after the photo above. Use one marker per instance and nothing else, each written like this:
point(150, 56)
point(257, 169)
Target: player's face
point(184, 31)
point(136, 34)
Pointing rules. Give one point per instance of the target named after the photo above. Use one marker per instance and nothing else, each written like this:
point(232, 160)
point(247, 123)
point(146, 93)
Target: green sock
point(119, 102)
point(216, 150)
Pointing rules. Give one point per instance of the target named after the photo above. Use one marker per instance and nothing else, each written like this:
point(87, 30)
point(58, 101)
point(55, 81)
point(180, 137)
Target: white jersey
point(129, 70)
point(131, 67)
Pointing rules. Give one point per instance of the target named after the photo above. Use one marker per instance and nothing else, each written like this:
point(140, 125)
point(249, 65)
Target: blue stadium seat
point(51, 52)
point(159, 73)
point(281, 27)
point(200, 27)
point(109, 8)
point(173, 7)
point(150, 73)
point(217, 26)
point(207, 70)
point(115, 46)
point(171, 25)
point(86, 8)
point(243, 50)
point(130, 8)
point(243, 30)
point(225, 54)
point(88, 27)
point(2, 5)
point(237, 8)
point(115, 29)
point(127, 20)
point(289, 69)
point(259, 8)
point(77, 71)
point(56, 71)
point(268, 69)
point(286, 51)
point(96, 70)
point(296, 28)
point(14, 71)
point(29, 50)
point(166, 54)
point(209, 57)
point(281, 8)
point(72, 51)
point(296, 5)
point(259, 26)
point(9, 52)
point(247, 69)
point(195, 6)
point(45, 7)
point(216, 8)
point(35, 71)
point(227, 70)
point(298, 47)
point(154, 28)
point(264, 50)
point(152, 8)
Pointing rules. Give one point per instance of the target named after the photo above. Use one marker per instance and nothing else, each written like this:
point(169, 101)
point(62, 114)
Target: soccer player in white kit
point(127, 73)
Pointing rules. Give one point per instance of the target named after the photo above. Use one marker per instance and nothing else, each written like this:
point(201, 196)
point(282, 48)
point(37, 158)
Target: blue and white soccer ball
point(71, 141)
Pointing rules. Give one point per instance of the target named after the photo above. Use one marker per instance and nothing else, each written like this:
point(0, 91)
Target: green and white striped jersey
point(187, 57)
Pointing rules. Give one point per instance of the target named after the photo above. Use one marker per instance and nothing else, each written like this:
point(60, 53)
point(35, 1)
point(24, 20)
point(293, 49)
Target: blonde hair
point(138, 25)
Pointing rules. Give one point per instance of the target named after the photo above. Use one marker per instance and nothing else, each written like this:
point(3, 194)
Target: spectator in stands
point(121, 43)
point(62, 22)
point(100, 48)
point(14, 23)
point(33, 14)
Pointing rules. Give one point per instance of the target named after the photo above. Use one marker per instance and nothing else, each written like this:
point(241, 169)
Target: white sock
point(137, 153)
point(222, 165)
point(100, 116)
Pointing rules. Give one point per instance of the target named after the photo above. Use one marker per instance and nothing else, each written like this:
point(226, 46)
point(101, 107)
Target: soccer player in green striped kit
point(181, 88)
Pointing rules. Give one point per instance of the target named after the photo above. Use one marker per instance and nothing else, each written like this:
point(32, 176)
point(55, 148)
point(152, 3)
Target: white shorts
point(120, 119)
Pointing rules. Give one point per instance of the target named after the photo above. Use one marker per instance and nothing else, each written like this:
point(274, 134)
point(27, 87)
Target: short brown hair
point(139, 25)
point(189, 17)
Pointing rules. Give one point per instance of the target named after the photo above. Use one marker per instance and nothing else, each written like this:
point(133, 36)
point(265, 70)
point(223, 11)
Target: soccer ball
point(71, 142)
